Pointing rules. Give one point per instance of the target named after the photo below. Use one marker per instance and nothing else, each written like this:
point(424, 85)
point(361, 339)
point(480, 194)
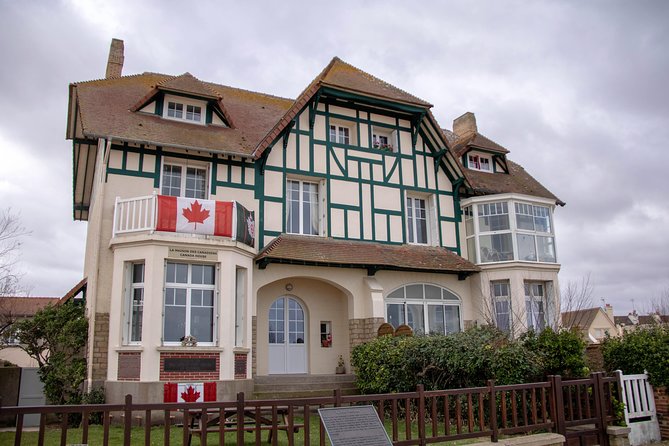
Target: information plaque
point(354, 426)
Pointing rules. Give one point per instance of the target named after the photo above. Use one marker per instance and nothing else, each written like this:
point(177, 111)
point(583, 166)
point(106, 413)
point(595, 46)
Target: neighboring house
point(633, 321)
point(235, 234)
point(13, 309)
point(594, 323)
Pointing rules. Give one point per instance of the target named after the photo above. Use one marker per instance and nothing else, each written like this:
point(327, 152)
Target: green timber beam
point(372, 101)
point(314, 107)
point(415, 127)
point(286, 133)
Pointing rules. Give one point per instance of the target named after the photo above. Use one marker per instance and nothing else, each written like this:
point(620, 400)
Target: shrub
point(642, 349)
point(467, 359)
point(560, 352)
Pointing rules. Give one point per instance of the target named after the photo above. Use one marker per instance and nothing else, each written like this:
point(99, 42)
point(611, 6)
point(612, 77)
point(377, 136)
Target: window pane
point(202, 323)
point(136, 314)
point(435, 314)
point(333, 133)
point(414, 291)
point(397, 294)
point(526, 248)
point(181, 273)
point(195, 183)
point(395, 315)
point(502, 313)
point(452, 316)
point(171, 180)
point(469, 221)
point(496, 248)
point(175, 323)
point(546, 248)
point(447, 295)
point(493, 217)
point(138, 273)
point(524, 217)
point(415, 318)
point(542, 219)
point(432, 292)
point(277, 322)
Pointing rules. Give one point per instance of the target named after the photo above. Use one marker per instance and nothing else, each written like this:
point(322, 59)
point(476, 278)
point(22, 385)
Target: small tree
point(55, 337)
point(11, 232)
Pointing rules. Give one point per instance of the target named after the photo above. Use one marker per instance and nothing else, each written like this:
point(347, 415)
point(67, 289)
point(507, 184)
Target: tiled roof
point(339, 74)
point(25, 306)
point(476, 141)
point(642, 320)
point(348, 77)
point(105, 110)
point(299, 249)
point(517, 181)
point(187, 83)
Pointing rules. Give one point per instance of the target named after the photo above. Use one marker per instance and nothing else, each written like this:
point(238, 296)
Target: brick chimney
point(115, 61)
point(609, 310)
point(465, 125)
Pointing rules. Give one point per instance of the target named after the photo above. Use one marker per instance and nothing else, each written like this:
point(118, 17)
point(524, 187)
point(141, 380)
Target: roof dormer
point(185, 98)
point(475, 150)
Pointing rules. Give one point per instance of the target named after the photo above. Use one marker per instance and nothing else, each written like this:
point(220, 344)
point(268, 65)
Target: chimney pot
point(465, 125)
point(115, 61)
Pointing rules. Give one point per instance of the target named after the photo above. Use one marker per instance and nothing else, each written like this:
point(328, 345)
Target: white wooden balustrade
point(134, 214)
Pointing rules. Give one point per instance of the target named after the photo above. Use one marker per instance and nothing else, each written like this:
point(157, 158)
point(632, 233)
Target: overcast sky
point(578, 91)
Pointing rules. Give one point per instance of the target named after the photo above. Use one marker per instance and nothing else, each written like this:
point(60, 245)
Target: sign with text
point(354, 426)
point(192, 253)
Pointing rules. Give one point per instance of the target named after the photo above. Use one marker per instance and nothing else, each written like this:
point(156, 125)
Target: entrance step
point(302, 386)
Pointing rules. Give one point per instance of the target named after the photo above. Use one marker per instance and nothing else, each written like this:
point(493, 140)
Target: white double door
point(287, 337)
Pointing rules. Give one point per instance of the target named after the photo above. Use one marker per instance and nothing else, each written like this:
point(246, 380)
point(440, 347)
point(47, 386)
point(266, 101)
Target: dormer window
point(479, 162)
point(183, 109)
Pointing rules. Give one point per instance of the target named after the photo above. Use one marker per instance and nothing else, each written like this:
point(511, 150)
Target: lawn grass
point(95, 436)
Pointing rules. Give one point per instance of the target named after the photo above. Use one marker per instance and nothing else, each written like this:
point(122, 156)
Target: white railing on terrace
point(135, 214)
point(637, 396)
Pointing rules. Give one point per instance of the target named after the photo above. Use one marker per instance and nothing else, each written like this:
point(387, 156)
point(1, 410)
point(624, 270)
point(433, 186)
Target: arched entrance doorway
point(287, 337)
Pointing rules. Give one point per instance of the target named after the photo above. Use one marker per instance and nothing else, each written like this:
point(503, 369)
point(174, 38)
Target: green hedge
point(468, 359)
point(639, 350)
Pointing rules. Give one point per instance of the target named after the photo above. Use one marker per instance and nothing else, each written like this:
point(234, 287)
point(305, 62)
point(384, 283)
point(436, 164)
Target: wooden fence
point(579, 409)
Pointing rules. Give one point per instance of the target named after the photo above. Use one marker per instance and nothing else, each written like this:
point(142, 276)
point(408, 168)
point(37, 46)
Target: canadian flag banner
point(209, 217)
point(189, 392)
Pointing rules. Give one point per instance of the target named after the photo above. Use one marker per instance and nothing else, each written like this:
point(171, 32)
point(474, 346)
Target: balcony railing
point(135, 214)
point(187, 215)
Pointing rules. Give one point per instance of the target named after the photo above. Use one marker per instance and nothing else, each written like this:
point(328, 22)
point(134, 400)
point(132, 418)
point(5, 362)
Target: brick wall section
point(189, 376)
point(254, 345)
point(363, 330)
point(129, 366)
point(240, 365)
point(100, 346)
point(662, 408)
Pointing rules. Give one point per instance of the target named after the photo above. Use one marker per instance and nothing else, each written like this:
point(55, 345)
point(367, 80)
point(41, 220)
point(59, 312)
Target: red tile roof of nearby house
point(321, 251)
point(25, 306)
point(642, 320)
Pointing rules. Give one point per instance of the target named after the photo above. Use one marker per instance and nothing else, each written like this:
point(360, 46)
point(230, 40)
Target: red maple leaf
point(190, 395)
point(195, 214)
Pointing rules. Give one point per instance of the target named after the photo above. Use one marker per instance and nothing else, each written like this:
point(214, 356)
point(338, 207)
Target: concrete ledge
point(618, 431)
point(535, 440)
point(546, 439)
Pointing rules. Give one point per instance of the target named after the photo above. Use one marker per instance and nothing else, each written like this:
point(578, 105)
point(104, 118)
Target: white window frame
point(184, 170)
point(390, 137)
point(190, 286)
point(185, 103)
point(301, 230)
point(411, 220)
point(241, 275)
point(338, 130)
point(470, 219)
point(534, 233)
point(475, 161)
point(398, 297)
point(531, 303)
point(498, 295)
point(129, 302)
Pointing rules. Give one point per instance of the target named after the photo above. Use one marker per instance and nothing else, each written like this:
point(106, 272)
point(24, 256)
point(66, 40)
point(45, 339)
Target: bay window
point(189, 308)
point(509, 230)
point(426, 308)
